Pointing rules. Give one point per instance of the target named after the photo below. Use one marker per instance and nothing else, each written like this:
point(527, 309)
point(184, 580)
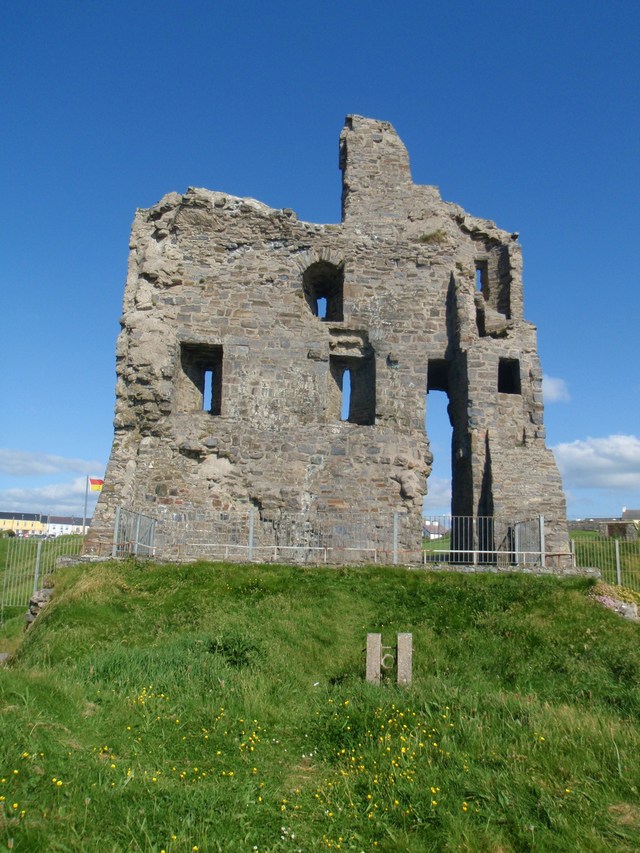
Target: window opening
point(346, 394)
point(509, 376)
point(482, 278)
point(355, 376)
point(208, 390)
point(201, 386)
point(322, 284)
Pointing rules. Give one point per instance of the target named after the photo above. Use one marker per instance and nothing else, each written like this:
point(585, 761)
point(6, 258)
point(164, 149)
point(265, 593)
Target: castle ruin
point(242, 327)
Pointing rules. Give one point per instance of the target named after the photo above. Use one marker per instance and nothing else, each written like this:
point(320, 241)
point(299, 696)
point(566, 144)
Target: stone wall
point(241, 324)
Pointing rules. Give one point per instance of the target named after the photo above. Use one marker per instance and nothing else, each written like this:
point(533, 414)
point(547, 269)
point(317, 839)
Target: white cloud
point(57, 499)
point(612, 462)
point(554, 390)
point(22, 463)
point(438, 499)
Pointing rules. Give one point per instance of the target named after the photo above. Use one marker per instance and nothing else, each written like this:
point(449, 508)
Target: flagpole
point(86, 496)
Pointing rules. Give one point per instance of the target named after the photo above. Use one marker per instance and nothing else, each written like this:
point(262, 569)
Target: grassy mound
point(222, 707)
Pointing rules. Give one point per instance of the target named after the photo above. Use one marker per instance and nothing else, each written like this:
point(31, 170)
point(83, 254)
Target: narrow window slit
point(346, 395)
point(207, 397)
point(482, 278)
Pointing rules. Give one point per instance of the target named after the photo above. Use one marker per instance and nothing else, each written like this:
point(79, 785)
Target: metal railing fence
point(484, 540)
point(617, 559)
point(330, 537)
point(324, 538)
point(28, 562)
point(133, 534)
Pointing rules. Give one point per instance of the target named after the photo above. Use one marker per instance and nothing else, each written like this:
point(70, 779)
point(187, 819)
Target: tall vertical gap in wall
point(321, 307)
point(440, 434)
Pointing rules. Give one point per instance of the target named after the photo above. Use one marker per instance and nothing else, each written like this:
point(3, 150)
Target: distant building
point(23, 523)
point(63, 525)
point(434, 529)
point(631, 515)
point(27, 524)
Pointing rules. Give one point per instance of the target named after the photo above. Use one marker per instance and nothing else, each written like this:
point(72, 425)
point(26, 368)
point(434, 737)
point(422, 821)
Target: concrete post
point(136, 535)
point(36, 577)
point(374, 657)
point(405, 658)
point(152, 538)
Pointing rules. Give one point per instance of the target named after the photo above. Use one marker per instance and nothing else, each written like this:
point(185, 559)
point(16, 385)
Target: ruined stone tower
point(241, 325)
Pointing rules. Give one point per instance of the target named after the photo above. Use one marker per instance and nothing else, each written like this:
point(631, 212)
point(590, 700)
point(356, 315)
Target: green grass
point(441, 544)
point(4, 545)
point(223, 707)
point(584, 534)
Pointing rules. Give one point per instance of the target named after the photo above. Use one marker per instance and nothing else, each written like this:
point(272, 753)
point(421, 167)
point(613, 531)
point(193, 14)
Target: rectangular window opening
point(356, 378)
point(202, 378)
point(509, 376)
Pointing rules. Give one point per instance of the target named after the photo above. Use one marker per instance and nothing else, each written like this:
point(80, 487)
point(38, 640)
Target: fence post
point(543, 558)
point(251, 519)
point(395, 538)
point(36, 577)
point(152, 538)
point(136, 534)
point(475, 536)
point(116, 533)
point(572, 549)
point(618, 569)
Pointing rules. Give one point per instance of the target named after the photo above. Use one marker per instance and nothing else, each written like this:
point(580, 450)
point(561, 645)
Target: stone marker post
point(376, 661)
point(405, 658)
point(374, 657)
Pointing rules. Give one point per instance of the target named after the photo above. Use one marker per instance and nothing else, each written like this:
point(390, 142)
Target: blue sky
point(527, 114)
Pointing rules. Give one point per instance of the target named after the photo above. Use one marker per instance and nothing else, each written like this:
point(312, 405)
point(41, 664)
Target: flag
point(95, 485)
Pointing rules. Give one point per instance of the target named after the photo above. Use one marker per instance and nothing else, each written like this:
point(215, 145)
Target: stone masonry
point(241, 325)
